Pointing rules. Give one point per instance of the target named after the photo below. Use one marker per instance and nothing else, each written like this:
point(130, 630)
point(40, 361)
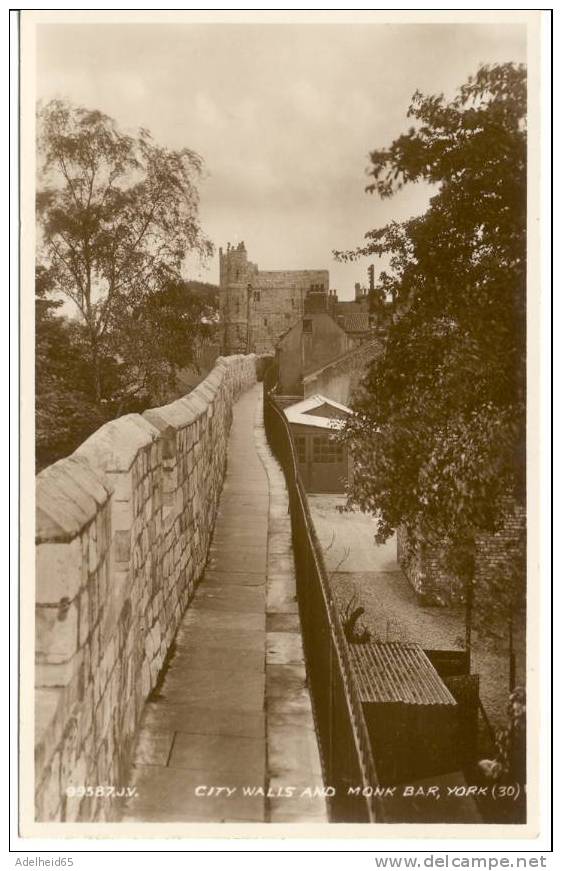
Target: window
point(256, 295)
point(265, 322)
point(307, 325)
point(300, 445)
point(287, 316)
point(325, 449)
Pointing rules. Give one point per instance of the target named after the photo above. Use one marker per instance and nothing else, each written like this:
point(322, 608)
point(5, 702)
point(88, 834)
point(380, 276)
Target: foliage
point(64, 411)
point(117, 215)
point(509, 764)
point(153, 337)
point(439, 437)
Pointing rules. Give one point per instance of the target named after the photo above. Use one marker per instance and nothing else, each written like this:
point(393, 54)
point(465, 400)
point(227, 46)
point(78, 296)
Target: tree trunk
point(467, 565)
point(96, 365)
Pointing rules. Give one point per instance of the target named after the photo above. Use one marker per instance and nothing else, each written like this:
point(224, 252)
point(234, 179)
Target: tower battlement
point(258, 307)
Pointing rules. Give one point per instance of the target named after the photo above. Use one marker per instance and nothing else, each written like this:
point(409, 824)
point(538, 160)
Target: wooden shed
point(323, 460)
point(413, 719)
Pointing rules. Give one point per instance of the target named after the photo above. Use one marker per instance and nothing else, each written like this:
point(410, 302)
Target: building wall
point(298, 351)
point(256, 306)
point(340, 377)
point(319, 477)
point(122, 534)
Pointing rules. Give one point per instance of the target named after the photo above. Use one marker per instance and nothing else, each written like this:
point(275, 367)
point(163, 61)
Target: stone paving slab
point(154, 748)
point(281, 595)
point(230, 598)
point(292, 749)
point(187, 717)
point(221, 658)
point(233, 639)
point(233, 708)
point(168, 795)
point(219, 753)
point(238, 579)
point(251, 559)
point(282, 623)
point(284, 648)
point(218, 688)
point(215, 621)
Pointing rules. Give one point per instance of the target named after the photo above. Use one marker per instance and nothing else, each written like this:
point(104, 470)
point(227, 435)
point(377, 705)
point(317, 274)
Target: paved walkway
point(230, 736)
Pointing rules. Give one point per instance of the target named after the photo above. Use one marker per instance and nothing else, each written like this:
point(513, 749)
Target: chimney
point(357, 291)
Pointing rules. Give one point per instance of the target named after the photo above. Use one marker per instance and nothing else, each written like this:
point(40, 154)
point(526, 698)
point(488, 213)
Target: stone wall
point(258, 306)
point(122, 533)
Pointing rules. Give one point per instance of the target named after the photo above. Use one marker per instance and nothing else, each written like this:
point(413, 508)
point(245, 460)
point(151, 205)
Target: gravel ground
point(392, 611)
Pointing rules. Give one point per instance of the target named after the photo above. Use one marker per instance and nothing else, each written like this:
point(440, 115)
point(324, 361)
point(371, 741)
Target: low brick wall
point(424, 566)
point(122, 534)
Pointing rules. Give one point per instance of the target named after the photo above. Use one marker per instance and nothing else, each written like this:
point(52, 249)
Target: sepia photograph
point(279, 559)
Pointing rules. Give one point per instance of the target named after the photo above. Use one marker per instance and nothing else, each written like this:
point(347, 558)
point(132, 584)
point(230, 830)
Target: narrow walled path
point(233, 711)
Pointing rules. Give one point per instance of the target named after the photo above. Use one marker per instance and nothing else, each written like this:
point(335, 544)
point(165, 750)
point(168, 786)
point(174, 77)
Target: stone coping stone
point(115, 446)
point(69, 495)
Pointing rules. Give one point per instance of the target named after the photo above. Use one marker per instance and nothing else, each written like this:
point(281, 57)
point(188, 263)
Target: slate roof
point(394, 671)
point(358, 322)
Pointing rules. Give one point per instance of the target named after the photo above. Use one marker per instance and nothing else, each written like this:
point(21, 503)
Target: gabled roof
point(301, 412)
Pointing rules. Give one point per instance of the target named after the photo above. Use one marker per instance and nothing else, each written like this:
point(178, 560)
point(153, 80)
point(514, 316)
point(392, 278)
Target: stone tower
point(237, 280)
point(258, 306)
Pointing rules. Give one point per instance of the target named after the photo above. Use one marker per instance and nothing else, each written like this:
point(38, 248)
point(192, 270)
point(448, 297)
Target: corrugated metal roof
point(394, 671)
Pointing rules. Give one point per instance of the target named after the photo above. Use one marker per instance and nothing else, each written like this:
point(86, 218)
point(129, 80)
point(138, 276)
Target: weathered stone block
point(56, 632)
point(122, 514)
point(60, 571)
point(122, 546)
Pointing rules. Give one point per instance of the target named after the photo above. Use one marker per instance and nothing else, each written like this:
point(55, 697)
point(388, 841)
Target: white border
point(432, 844)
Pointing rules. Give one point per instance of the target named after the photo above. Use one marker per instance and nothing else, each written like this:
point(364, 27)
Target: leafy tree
point(154, 337)
point(65, 413)
point(149, 342)
point(439, 437)
point(117, 215)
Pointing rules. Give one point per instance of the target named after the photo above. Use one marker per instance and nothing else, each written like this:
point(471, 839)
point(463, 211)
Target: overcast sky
point(283, 115)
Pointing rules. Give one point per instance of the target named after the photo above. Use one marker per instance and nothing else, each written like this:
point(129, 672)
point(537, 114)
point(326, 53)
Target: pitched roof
point(373, 344)
point(350, 306)
point(301, 412)
point(357, 322)
point(397, 672)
